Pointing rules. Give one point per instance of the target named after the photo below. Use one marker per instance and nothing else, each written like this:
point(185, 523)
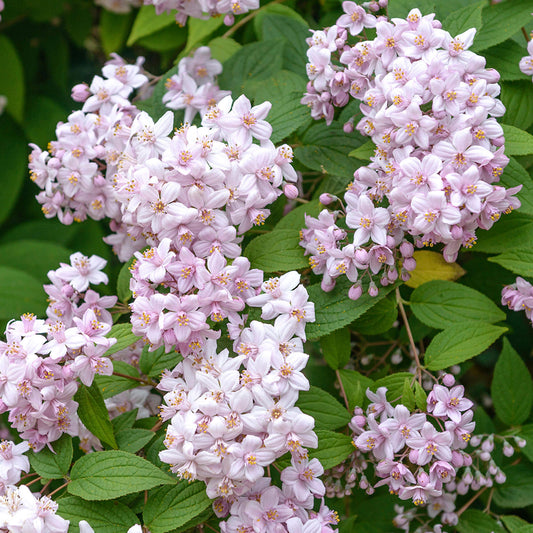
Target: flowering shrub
point(260, 288)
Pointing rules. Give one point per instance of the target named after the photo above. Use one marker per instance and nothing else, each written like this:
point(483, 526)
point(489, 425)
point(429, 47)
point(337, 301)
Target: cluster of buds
point(428, 104)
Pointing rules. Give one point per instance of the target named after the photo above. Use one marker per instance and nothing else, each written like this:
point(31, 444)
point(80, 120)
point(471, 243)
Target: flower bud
point(448, 380)
point(508, 450)
point(348, 126)
point(355, 292)
point(290, 191)
point(372, 290)
point(500, 477)
point(326, 198)
point(409, 264)
point(80, 92)
point(520, 442)
point(407, 249)
point(229, 19)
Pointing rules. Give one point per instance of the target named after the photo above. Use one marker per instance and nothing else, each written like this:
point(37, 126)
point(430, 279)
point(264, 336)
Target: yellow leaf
point(430, 266)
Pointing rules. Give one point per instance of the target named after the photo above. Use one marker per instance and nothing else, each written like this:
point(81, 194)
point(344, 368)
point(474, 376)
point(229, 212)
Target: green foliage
point(512, 387)
point(147, 23)
point(355, 386)
point(112, 385)
point(516, 491)
point(332, 449)
point(474, 521)
point(336, 348)
point(111, 474)
point(19, 293)
point(12, 86)
point(517, 141)
point(153, 363)
point(124, 336)
point(56, 464)
point(465, 18)
point(324, 408)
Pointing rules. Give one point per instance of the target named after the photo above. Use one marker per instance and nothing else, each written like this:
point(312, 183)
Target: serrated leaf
point(125, 420)
point(324, 408)
point(147, 22)
point(513, 523)
point(12, 85)
point(393, 383)
point(327, 148)
point(517, 141)
point(274, 9)
point(513, 231)
point(516, 491)
point(520, 262)
point(13, 161)
point(104, 517)
point(114, 30)
point(513, 175)
point(459, 343)
point(132, 440)
point(93, 413)
point(512, 387)
point(153, 363)
point(465, 18)
point(333, 448)
point(501, 21)
point(296, 217)
point(408, 396)
point(336, 348)
point(401, 8)
point(505, 58)
point(355, 386)
point(111, 474)
point(199, 30)
point(474, 521)
point(20, 293)
point(124, 336)
point(518, 101)
point(441, 304)
point(431, 266)
point(222, 48)
point(364, 152)
point(170, 507)
point(113, 385)
point(259, 61)
point(52, 465)
point(278, 250)
point(167, 39)
point(378, 318)
point(421, 397)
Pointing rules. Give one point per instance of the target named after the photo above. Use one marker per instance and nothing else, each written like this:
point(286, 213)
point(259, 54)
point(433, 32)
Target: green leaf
point(474, 521)
point(132, 440)
point(364, 152)
point(276, 251)
point(465, 18)
point(501, 21)
point(517, 141)
point(378, 318)
point(13, 159)
point(21, 255)
point(513, 175)
point(520, 262)
point(512, 387)
point(296, 217)
point(153, 363)
point(518, 101)
point(20, 293)
point(112, 385)
point(441, 304)
point(199, 30)
point(394, 384)
point(355, 386)
point(459, 343)
point(114, 30)
point(79, 22)
point(258, 61)
point(408, 396)
point(324, 408)
point(45, 113)
point(125, 420)
point(334, 310)
point(336, 348)
point(294, 33)
point(93, 413)
point(421, 397)
point(111, 474)
point(327, 149)
point(513, 231)
point(104, 517)
point(516, 491)
point(333, 448)
point(505, 58)
point(12, 85)
point(124, 336)
point(222, 48)
point(274, 9)
point(123, 282)
point(147, 22)
point(401, 8)
point(513, 523)
point(167, 39)
point(170, 507)
point(52, 465)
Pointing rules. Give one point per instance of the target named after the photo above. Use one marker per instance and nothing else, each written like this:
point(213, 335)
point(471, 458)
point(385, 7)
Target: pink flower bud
point(359, 421)
point(54, 163)
point(457, 459)
point(520, 442)
point(348, 126)
point(508, 450)
point(383, 3)
point(500, 477)
point(392, 275)
point(363, 483)
point(488, 445)
point(391, 243)
point(372, 290)
point(413, 456)
point(80, 92)
point(361, 256)
point(373, 7)
point(290, 191)
point(448, 380)
point(498, 141)
point(485, 456)
point(229, 19)
point(409, 264)
point(457, 232)
point(405, 275)
point(407, 249)
point(467, 459)
point(326, 198)
point(355, 292)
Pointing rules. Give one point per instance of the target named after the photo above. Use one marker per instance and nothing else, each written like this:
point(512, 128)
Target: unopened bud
point(326, 198)
point(80, 92)
point(448, 380)
point(290, 191)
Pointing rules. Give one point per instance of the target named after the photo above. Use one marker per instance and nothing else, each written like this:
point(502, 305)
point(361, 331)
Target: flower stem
point(343, 392)
point(248, 17)
point(409, 334)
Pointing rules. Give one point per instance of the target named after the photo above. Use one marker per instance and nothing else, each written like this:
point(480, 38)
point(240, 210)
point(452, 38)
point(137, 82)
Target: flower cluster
point(41, 359)
point(76, 172)
point(519, 297)
point(526, 63)
point(201, 8)
point(428, 104)
point(418, 455)
point(193, 88)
